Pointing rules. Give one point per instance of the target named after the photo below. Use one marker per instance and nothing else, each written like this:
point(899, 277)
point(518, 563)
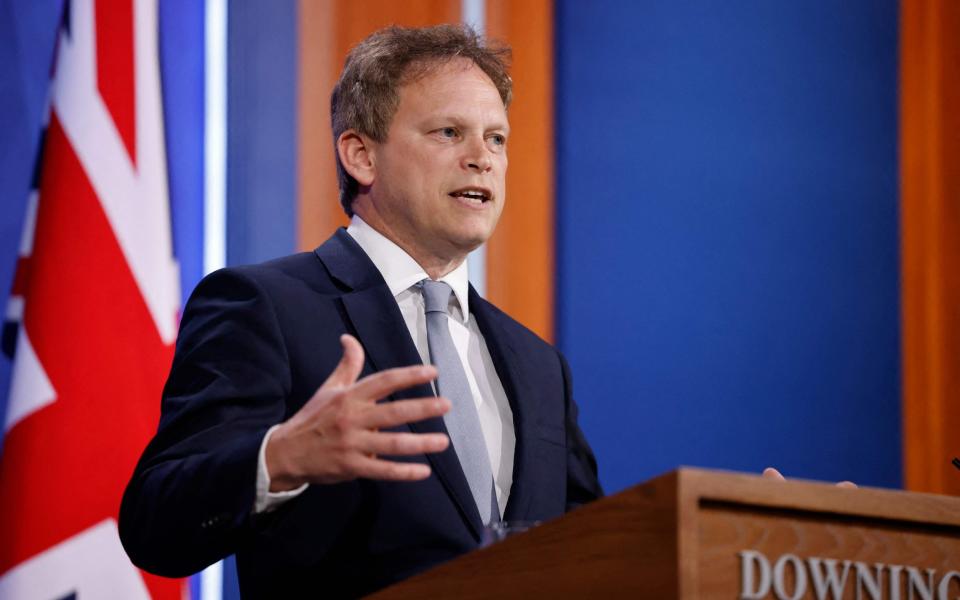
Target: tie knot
point(436, 295)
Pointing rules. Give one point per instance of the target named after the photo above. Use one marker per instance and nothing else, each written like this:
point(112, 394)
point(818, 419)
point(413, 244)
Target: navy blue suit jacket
point(255, 343)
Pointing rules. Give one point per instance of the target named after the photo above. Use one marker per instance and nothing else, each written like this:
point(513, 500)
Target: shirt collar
point(399, 269)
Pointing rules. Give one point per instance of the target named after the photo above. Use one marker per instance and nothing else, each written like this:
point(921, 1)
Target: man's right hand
point(335, 437)
point(771, 473)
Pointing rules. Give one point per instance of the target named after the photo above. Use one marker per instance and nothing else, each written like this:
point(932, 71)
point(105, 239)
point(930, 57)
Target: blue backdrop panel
point(261, 144)
point(261, 130)
point(727, 247)
point(182, 74)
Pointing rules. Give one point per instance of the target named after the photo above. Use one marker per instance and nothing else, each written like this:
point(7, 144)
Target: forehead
point(457, 84)
point(423, 71)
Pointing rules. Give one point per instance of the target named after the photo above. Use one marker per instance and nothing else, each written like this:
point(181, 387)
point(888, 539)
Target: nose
point(476, 155)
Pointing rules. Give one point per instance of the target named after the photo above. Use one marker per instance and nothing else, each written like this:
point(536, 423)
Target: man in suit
point(300, 428)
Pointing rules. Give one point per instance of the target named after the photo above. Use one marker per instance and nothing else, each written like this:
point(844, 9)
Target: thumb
point(350, 365)
point(771, 473)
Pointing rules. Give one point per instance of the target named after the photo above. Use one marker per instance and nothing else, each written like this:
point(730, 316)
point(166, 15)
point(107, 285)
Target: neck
point(435, 264)
point(438, 270)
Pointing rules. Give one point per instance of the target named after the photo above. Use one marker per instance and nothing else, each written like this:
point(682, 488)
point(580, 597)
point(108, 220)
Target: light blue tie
point(463, 422)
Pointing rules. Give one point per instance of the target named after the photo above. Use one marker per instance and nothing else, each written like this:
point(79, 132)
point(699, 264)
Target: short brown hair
point(366, 96)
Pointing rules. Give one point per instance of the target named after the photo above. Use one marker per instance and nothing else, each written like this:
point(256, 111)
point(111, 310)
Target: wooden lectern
point(705, 534)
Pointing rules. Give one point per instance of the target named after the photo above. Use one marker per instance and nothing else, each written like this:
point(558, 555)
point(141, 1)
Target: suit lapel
point(376, 318)
point(506, 360)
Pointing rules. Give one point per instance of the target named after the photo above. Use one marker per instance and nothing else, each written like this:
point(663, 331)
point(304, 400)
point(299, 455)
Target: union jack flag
point(93, 315)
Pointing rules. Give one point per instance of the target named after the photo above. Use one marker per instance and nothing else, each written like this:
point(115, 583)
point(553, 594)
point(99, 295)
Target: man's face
point(439, 180)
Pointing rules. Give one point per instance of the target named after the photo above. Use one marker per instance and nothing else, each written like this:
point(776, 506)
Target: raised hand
point(334, 437)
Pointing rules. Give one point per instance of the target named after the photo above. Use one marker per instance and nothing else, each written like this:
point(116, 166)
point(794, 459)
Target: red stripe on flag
point(115, 67)
point(20, 276)
point(65, 466)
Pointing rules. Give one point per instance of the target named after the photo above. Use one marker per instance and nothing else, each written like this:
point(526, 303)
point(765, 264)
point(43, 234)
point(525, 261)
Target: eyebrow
point(461, 120)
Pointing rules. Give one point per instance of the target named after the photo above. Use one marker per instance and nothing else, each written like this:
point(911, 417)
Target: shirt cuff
point(267, 500)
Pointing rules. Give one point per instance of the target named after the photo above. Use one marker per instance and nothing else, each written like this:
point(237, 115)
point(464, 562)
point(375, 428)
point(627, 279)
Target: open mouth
point(472, 195)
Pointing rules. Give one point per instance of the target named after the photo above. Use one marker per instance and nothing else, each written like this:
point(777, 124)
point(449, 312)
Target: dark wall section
point(727, 250)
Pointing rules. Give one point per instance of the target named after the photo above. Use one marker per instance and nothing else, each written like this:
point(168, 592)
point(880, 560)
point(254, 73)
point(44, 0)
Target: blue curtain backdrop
point(727, 235)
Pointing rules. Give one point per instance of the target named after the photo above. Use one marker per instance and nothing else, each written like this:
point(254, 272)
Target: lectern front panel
point(752, 552)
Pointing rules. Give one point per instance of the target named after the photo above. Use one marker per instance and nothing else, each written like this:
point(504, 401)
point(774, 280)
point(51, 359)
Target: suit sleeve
point(583, 484)
point(191, 497)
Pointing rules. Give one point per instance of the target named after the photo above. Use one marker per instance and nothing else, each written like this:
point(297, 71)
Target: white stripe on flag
point(30, 388)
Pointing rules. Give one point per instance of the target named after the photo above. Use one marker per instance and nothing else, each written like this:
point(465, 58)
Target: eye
point(448, 132)
point(499, 139)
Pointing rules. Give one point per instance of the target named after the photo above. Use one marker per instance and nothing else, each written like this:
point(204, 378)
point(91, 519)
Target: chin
point(463, 245)
point(466, 237)
point(476, 239)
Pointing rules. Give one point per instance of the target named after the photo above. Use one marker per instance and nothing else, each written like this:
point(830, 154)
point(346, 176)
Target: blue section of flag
point(27, 38)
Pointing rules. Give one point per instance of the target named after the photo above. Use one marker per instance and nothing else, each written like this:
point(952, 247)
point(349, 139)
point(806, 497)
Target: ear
point(356, 156)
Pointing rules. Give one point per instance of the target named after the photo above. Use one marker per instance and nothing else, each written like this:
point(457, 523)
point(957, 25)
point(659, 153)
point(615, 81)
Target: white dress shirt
point(401, 274)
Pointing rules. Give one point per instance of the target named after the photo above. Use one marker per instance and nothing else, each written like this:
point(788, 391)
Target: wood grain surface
point(726, 530)
point(679, 535)
point(622, 545)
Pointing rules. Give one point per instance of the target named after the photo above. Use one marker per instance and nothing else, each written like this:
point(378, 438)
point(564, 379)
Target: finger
point(847, 485)
point(382, 384)
point(771, 473)
point(401, 412)
point(350, 365)
point(401, 444)
point(388, 470)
